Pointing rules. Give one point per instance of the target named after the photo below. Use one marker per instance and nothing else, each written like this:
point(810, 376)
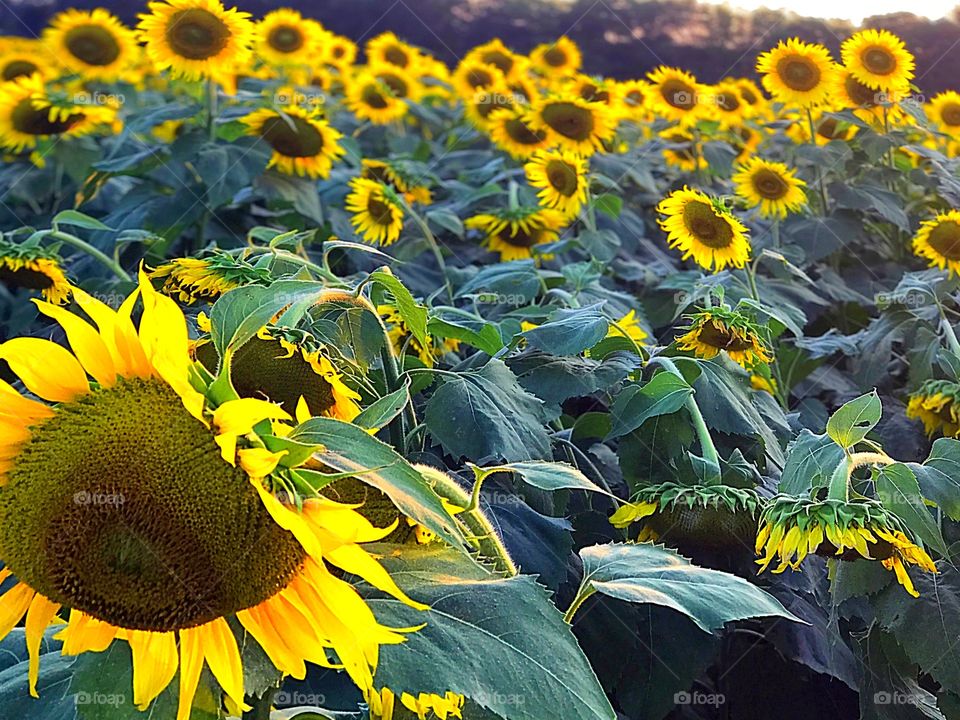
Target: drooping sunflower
point(720, 329)
point(412, 185)
point(797, 73)
point(377, 213)
point(674, 94)
point(124, 497)
point(290, 368)
point(557, 59)
point(206, 279)
point(20, 57)
point(423, 705)
point(403, 340)
point(792, 528)
point(562, 179)
point(33, 267)
point(389, 49)
point(944, 110)
point(937, 404)
point(95, 43)
point(511, 130)
point(284, 37)
point(196, 38)
point(938, 241)
point(372, 99)
point(702, 228)
point(515, 233)
point(771, 186)
point(572, 123)
point(303, 143)
point(878, 59)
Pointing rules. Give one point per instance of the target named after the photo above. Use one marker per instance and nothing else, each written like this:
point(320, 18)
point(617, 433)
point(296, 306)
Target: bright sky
point(855, 10)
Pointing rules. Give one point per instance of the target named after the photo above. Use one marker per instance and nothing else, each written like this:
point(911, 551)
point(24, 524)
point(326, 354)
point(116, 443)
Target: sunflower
point(562, 179)
point(95, 44)
point(938, 241)
point(511, 130)
point(719, 329)
point(797, 73)
point(771, 186)
point(572, 123)
point(628, 326)
point(479, 106)
point(515, 233)
point(944, 110)
point(727, 105)
point(704, 230)
point(20, 57)
point(745, 140)
point(557, 59)
point(937, 404)
point(848, 92)
point(206, 279)
point(423, 705)
point(339, 51)
point(680, 150)
point(284, 37)
point(878, 59)
point(196, 38)
point(792, 528)
point(633, 94)
point(29, 265)
point(303, 142)
point(751, 94)
point(372, 99)
point(403, 340)
point(674, 94)
point(496, 54)
point(392, 172)
point(387, 48)
point(473, 77)
point(400, 83)
point(377, 213)
point(288, 367)
point(125, 497)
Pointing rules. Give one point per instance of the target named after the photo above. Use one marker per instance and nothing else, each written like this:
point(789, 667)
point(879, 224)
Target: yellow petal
point(15, 405)
point(238, 417)
point(290, 519)
point(258, 622)
point(154, 664)
point(87, 345)
point(39, 616)
point(191, 664)
point(223, 657)
point(259, 462)
point(85, 633)
point(13, 606)
point(47, 369)
point(357, 561)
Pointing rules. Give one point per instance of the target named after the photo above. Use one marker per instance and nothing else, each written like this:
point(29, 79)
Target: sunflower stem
point(824, 202)
point(578, 601)
point(434, 246)
point(89, 249)
point(949, 332)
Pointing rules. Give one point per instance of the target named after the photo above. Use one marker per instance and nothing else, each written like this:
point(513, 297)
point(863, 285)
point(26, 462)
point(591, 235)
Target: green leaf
point(56, 702)
point(664, 394)
point(500, 642)
point(414, 315)
point(486, 413)
point(447, 220)
point(78, 219)
point(609, 205)
point(518, 279)
point(348, 447)
point(487, 338)
point(899, 492)
point(555, 379)
point(811, 459)
point(939, 476)
point(854, 420)
point(569, 331)
point(549, 476)
point(655, 575)
point(381, 412)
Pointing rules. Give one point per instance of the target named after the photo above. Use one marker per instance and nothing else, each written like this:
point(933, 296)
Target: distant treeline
point(621, 38)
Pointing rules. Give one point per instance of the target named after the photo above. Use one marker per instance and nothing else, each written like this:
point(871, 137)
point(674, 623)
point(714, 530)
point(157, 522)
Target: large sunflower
point(196, 38)
point(148, 512)
point(937, 404)
point(515, 233)
point(20, 57)
point(303, 143)
point(674, 94)
point(878, 59)
point(573, 123)
point(944, 110)
point(938, 241)
point(284, 37)
point(557, 59)
point(718, 329)
point(206, 279)
point(561, 178)
point(95, 44)
point(377, 213)
point(704, 230)
point(771, 186)
point(847, 92)
point(511, 130)
point(32, 267)
point(372, 99)
point(797, 73)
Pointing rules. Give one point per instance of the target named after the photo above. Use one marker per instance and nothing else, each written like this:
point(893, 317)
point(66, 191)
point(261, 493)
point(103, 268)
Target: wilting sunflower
point(392, 172)
point(561, 177)
point(938, 240)
point(944, 110)
point(425, 705)
point(573, 124)
point(792, 528)
point(288, 367)
point(771, 186)
point(206, 279)
point(498, 55)
point(674, 94)
point(719, 329)
point(878, 59)
point(797, 73)
point(20, 57)
point(712, 516)
point(377, 213)
point(403, 340)
point(372, 99)
point(511, 131)
point(303, 143)
point(196, 38)
point(389, 49)
point(937, 404)
point(557, 59)
point(284, 37)
point(125, 497)
point(95, 44)
point(33, 267)
point(704, 229)
point(515, 233)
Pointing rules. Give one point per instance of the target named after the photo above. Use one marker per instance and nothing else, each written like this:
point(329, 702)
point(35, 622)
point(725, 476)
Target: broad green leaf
point(385, 409)
point(854, 420)
point(555, 379)
point(447, 220)
point(656, 575)
point(414, 315)
point(899, 492)
point(664, 394)
point(56, 701)
point(518, 280)
point(609, 205)
point(348, 447)
point(569, 331)
point(549, 476)
point(890, 689)
point(811, 459)
point(939, 476)
point(78, 219)
point(487, 338)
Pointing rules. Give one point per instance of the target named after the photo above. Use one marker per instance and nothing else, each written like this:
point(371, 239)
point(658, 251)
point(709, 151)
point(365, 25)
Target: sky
point(855, 10)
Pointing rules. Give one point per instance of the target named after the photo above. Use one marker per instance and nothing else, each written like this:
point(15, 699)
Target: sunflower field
point(339, 383)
